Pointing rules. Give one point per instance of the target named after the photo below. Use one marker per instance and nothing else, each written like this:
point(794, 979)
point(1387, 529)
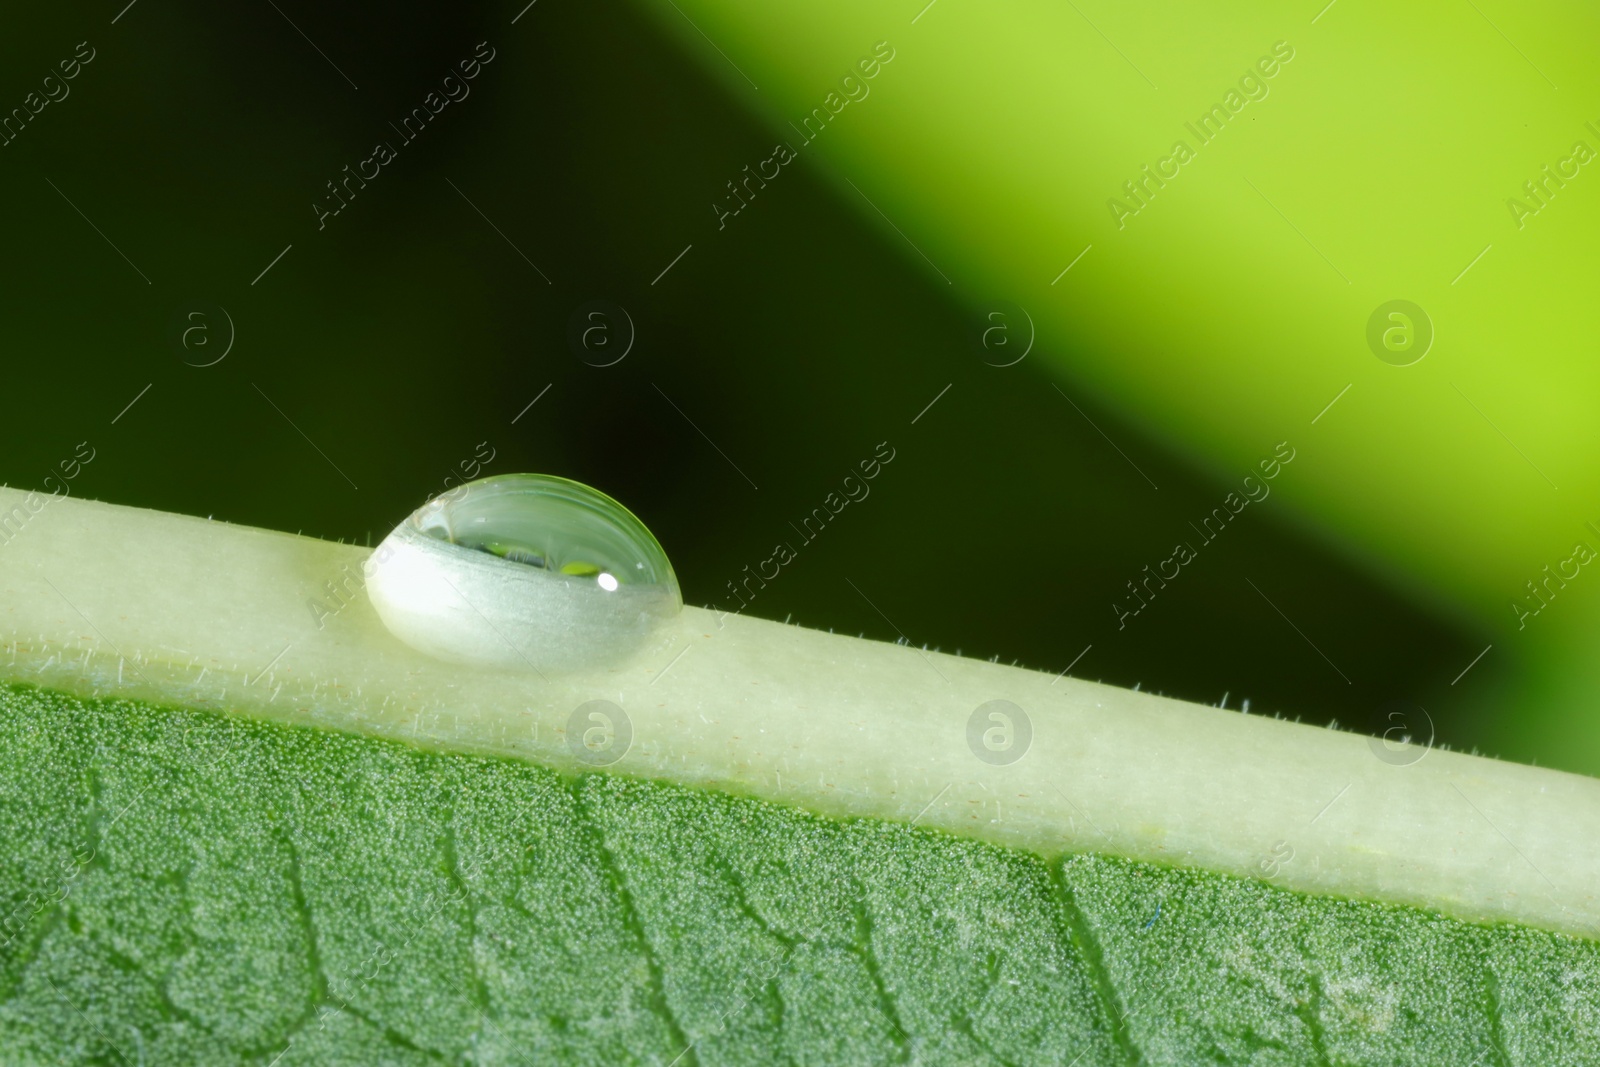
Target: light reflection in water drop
point(523, 571)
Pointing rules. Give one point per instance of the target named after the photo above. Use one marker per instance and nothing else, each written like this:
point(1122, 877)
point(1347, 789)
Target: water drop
point(523, 571)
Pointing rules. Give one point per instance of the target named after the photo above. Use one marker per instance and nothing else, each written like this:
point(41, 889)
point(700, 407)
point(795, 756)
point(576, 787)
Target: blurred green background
point(380, 351)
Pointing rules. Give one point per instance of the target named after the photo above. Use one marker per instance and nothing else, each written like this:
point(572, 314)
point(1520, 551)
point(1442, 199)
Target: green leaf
point(185, 887)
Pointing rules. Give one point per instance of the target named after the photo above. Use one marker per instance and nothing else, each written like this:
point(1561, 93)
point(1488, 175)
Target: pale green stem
point(106, 600)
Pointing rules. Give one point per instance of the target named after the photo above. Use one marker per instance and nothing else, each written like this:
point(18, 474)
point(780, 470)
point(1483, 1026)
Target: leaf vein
point(1090, 954)
point(589, 819)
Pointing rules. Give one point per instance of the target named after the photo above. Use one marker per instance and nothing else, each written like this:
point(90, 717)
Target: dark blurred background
point(379, 351)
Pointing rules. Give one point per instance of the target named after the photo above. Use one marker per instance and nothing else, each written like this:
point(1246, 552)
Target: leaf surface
point(181, 886)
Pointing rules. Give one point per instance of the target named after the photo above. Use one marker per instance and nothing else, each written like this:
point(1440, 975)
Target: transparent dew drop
point(523, 572)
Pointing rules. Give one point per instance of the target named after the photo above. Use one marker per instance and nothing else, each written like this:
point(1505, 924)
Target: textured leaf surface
point(185, 888)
